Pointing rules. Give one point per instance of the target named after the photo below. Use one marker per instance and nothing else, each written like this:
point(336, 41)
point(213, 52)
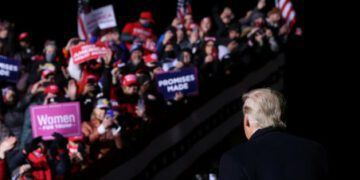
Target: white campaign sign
point(103, 18)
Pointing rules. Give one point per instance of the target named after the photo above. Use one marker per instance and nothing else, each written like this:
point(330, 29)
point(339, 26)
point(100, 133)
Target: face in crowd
point(274, 16)
point(9, 97)
point(50, 51)
point(131, 89)
point(209, 47)
point(186, 57)
point(100, 113)
point(130, 84)
point(205, 24)
point(136, 57)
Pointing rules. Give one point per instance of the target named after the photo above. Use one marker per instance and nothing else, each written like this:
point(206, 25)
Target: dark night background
point(56, 19)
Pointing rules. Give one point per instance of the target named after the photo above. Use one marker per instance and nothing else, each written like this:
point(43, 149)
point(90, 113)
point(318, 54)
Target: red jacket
point(138, 30)
point(83, 80)
point(40, 167)
point(2, 169)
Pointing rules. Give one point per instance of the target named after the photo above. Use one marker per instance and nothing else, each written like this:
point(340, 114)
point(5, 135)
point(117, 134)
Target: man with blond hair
point(270, 153)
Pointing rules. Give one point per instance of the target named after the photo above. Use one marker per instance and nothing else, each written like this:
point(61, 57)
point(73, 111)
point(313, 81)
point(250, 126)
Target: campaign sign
point(85, 52)
point(185, 81)
point(9, 69)
point(105, 17)
point(63, 118)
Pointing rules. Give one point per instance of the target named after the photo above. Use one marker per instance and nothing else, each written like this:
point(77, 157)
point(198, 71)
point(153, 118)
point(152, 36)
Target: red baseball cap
point(52, 88)
point(23, 36)
point(46, 72)
point(75, 138)
point(150, 58)
point(90, 76)
point(209, 38)
point(192, 27)
point(147, 15)
point(129, 79)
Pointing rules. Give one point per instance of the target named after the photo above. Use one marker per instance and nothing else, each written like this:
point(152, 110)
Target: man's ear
point(246, 121)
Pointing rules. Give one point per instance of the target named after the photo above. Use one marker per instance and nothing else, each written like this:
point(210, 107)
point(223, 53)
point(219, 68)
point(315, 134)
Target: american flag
point(183, 8)
point(287, 12)
point(82, 30)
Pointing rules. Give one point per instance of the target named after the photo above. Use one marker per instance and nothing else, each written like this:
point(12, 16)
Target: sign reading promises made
point(185, 81)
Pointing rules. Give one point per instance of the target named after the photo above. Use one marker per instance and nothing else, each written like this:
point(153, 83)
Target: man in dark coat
point(270, 153)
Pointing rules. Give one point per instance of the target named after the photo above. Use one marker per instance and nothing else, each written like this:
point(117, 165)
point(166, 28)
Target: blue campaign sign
point(9, 69)
point(185, 81)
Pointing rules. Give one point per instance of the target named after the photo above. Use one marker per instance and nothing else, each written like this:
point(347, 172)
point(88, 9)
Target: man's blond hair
point(264, 108)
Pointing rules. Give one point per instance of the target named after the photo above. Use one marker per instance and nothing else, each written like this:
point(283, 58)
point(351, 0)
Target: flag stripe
point(83, 34)
point(292, 16)
point(183, 7)
point(82, 29)
point(283, 3)
point(290, 11)
point(286, 9)
point(292, 23)
point(287, 12)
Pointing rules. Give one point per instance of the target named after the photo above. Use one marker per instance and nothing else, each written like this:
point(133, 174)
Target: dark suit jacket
point(271, 154)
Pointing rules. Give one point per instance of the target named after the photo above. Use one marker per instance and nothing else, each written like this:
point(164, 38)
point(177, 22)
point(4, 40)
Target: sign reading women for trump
point(63, 118)
point(185, 81)
point(9, 69)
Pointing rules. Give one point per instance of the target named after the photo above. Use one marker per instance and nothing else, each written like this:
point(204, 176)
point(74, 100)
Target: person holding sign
point(49, 93)
point(185, 60)
point(93, 68)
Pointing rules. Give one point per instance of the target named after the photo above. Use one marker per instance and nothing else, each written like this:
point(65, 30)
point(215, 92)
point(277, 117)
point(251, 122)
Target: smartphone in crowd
point(91, 81)
point(141, 103)
point(110, 113)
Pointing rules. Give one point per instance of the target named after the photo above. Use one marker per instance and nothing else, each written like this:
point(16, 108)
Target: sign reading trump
point(63, 118)
point(184, 81)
